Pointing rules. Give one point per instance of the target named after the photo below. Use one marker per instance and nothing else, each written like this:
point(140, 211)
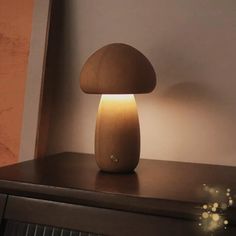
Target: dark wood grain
point(17, 228)
point(3, 199)
point(117, 68)
point(156, 187)
point(96, 220)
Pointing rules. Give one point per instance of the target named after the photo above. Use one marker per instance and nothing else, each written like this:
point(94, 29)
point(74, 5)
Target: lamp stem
point(117, 136)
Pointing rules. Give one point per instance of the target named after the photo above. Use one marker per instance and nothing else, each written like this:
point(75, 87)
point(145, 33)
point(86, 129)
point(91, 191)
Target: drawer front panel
point(15, 228)
point(3, 199)
point(97, 220)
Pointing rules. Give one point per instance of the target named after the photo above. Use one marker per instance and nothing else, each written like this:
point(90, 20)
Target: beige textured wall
point(191, 116)
point(15, 31)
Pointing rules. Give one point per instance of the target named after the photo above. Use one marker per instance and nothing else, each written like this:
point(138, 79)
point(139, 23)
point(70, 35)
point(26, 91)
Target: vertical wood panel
point(35, 81)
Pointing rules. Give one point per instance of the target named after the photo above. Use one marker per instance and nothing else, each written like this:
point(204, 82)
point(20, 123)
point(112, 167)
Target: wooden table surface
point(156, 187)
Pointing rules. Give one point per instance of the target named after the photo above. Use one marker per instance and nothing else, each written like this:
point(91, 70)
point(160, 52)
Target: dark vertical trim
point(3, 204)
point(50, 77)
point(35, 78)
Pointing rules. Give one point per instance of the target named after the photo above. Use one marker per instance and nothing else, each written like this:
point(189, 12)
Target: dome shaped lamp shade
point(117, 71)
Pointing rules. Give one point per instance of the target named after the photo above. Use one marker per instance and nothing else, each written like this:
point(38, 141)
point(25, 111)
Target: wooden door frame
point(35, 84)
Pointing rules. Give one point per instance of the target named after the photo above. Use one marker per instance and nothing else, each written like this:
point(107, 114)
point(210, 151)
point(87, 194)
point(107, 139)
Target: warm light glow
point(117, 136)
point(205, 215)
point(215, 217)
point(117, 97)
point(116, 104)
point(226, 222)
point(213, 209)
point(213, 214)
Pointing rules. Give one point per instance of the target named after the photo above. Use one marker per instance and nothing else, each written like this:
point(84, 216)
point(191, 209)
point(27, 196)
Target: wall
point(191, 114)
point(15, 29)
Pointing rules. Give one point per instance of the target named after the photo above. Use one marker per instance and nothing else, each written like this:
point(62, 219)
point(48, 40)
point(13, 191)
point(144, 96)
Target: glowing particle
point(231, 202)
point(212, 190)
point(206, 188)
point(205, 215)
point(213, 209)
point(226, 222)
point(223, 206)
point(215, 217)
point(213, 225)
point(212, 216)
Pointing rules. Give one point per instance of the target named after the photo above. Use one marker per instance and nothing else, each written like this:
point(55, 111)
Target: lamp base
point(117, 136)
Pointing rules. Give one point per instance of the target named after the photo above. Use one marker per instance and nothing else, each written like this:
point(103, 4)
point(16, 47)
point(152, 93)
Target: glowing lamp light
point(117, 71)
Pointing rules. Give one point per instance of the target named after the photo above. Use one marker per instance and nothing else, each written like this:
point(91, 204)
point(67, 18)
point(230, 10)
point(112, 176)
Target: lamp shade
point(117, 69)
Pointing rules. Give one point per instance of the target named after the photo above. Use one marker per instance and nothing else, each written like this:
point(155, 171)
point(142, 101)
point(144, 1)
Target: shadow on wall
point(189, 92)
point(193, 124)
point(191, 115)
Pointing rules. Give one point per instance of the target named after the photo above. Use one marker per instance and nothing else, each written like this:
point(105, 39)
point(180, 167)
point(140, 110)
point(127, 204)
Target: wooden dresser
point(67, 195)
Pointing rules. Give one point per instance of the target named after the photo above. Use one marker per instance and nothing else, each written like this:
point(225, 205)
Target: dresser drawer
point(66, 192)
point(98, 221)
point(92, 219)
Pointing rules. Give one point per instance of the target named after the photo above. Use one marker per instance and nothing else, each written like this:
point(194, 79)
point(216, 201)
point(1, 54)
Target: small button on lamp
point(117, 71)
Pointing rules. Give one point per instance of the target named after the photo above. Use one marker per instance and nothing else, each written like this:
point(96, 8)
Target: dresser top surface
point(152, 178)
point(78, 173)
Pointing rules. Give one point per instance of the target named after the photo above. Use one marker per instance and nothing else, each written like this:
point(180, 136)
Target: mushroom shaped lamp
point(117, 71)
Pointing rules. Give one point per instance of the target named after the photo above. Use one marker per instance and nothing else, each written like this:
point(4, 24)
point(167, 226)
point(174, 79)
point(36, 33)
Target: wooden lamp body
point(117, 136)
point(117, 71)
